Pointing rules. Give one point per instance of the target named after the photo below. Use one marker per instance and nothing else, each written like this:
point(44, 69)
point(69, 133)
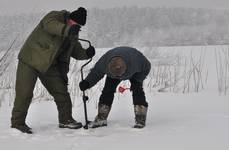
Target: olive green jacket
point(49, 43)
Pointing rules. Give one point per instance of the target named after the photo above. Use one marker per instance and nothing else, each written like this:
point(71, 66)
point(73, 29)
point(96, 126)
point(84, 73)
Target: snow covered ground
point(175, 121)
point(190, 121)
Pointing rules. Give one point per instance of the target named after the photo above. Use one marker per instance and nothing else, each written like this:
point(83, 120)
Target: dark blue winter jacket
point(138, 67)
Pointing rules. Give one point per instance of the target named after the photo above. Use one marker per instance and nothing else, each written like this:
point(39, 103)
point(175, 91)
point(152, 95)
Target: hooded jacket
point(49, 43)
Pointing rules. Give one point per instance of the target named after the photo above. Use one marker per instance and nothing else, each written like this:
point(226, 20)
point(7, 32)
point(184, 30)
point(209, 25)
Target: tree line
point(158, 26)
point(136, 26)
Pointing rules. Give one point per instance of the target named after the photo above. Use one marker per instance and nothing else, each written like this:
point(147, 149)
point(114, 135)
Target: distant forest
point(135, 26)
point(158, 26)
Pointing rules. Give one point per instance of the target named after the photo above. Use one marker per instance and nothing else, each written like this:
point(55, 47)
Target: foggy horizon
point(27, 6)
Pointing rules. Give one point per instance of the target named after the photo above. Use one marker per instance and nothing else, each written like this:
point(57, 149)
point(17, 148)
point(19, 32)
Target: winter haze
point(11, 6)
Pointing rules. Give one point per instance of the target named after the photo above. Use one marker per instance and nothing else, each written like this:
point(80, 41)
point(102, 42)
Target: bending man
point(121, 63)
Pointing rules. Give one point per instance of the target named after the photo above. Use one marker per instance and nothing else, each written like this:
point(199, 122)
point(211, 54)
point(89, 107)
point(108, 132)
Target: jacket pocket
point(43, 46)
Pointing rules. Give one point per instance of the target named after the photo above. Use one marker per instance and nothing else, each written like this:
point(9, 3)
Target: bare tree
point(222, 69)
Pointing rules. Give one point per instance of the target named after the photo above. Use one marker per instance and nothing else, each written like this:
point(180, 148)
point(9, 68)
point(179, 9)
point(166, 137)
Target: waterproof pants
point(52, 80)
point(109, 89)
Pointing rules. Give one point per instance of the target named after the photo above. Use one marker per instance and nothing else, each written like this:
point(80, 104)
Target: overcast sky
point(12, 6)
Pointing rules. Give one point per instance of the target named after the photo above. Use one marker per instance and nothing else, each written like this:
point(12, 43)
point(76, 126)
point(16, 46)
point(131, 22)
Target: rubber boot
point(140, 116)
point(101, 118)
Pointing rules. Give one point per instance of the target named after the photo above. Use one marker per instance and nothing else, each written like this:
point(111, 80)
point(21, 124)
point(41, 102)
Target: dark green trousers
point(52, 81)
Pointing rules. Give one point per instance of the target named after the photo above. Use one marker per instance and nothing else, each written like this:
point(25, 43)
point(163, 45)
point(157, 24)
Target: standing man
point(121, 63)
point(46, 55)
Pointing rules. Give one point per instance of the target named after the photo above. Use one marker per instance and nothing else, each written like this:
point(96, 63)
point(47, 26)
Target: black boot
point(70, 124)
point(101, 118)
point(140, 116)
point(24, 128)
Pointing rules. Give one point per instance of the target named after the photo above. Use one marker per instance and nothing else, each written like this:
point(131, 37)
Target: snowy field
point(177, 120)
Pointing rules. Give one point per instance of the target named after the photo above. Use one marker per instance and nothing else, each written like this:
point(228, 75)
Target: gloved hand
point(90, 51)
point(74, 30)
point(84, 85)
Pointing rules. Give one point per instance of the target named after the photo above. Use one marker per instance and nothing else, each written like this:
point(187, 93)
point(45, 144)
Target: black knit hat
point(79, 16)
